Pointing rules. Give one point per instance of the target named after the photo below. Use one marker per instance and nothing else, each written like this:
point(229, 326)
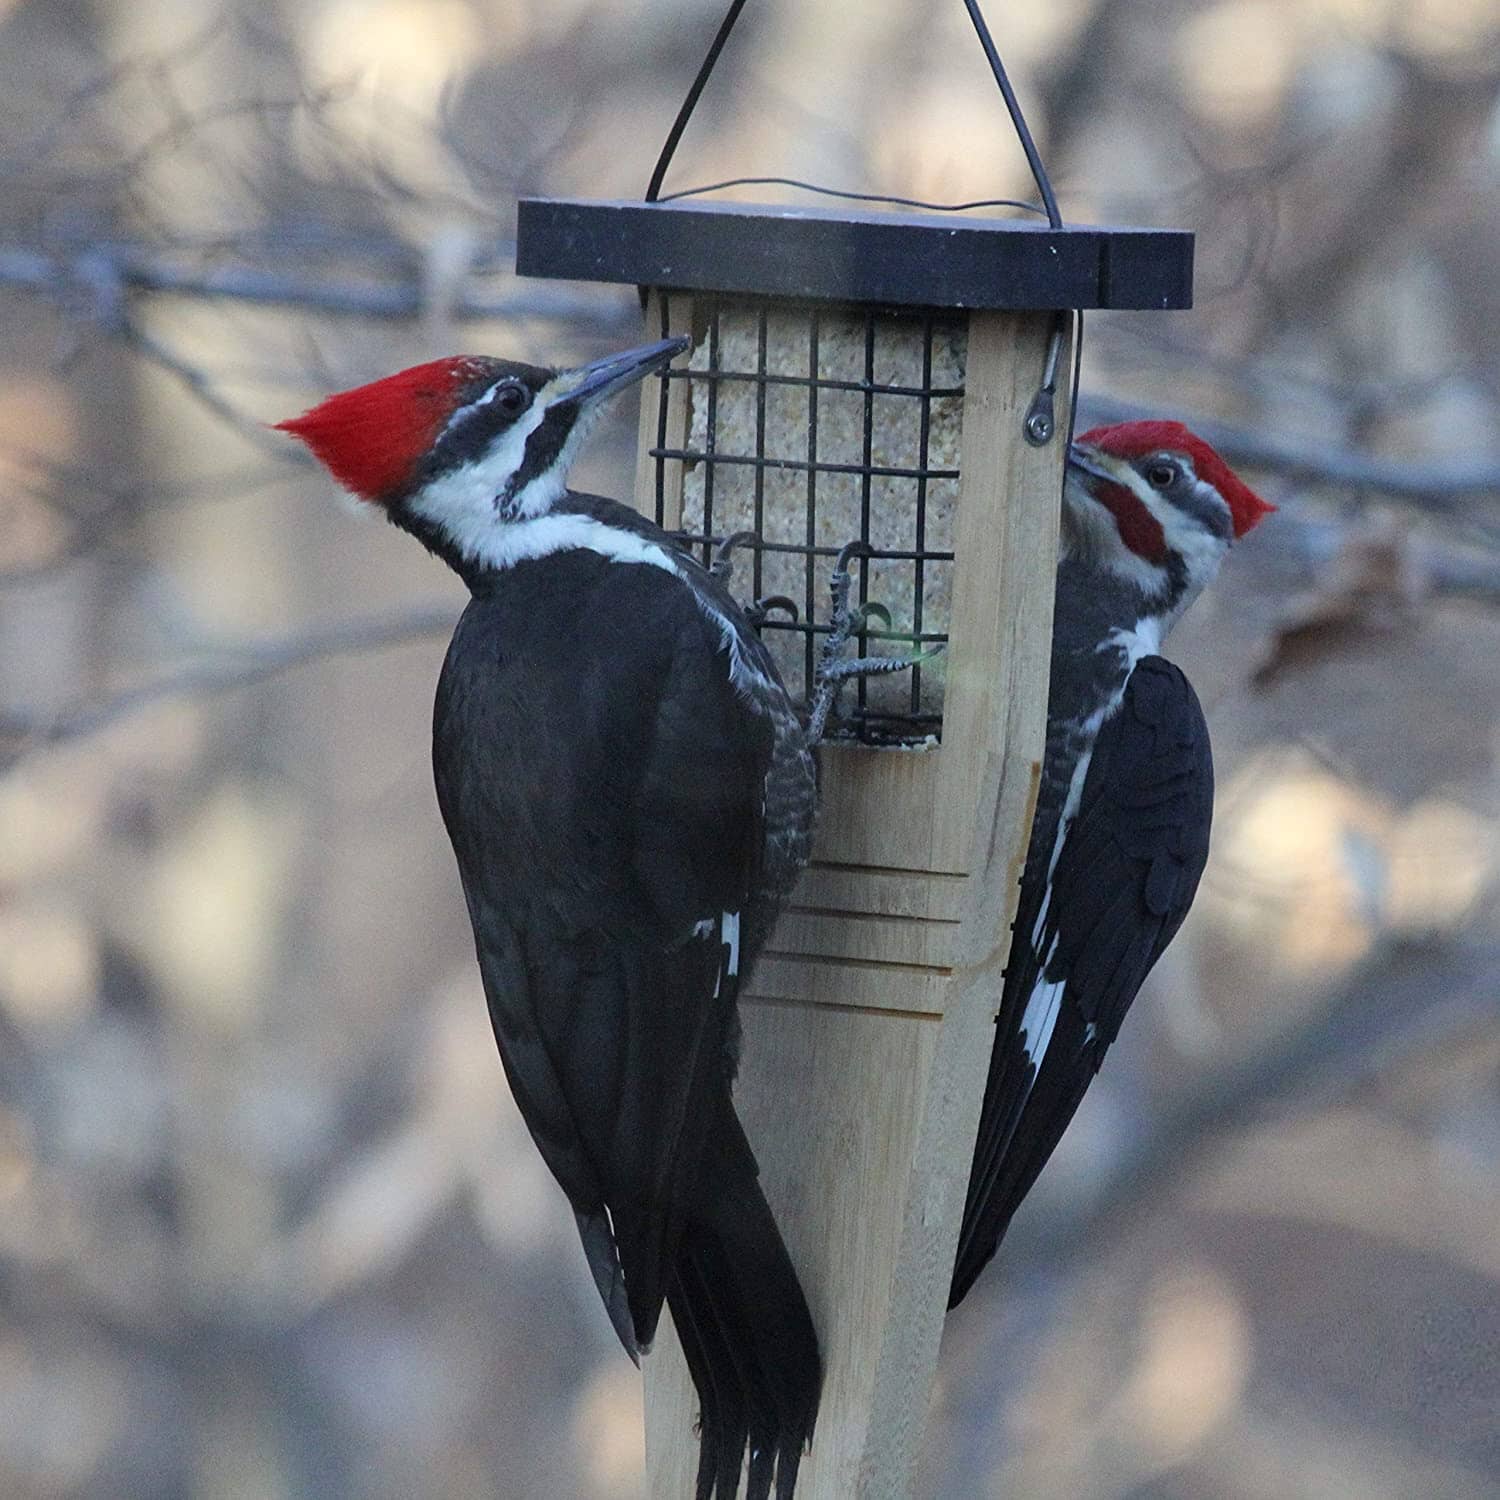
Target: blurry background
point(270, 1227)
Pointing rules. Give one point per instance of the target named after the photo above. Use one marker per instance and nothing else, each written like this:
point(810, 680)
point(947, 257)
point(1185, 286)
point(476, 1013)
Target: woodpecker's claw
point(875, 666)
point(834, 670)
point(722, 566)
point(758, 612)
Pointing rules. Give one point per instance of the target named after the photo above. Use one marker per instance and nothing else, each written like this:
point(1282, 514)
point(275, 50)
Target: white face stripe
point(481, 534)
point(1202, 550)
point(463, 501)
point(483, 399)
point(465, 505)
point(1090, 531)
point(502, 544)
point(546, 489)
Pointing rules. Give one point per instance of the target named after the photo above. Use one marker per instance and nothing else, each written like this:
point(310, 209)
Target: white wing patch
point(1039, 1019)
point(729, 935)
point(729, 930)
point(1143, 640)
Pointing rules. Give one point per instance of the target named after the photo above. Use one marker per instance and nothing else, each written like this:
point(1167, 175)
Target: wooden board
point(868, 1020)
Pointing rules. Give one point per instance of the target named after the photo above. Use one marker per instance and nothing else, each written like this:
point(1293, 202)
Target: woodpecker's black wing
point(1086, 938)
point(601, 782)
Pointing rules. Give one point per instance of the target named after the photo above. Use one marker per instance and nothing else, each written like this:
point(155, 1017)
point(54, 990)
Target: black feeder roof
point(898, 259)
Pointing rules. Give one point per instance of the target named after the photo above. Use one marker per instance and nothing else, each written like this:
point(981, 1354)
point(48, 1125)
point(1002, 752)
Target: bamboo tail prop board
point(869, 1019)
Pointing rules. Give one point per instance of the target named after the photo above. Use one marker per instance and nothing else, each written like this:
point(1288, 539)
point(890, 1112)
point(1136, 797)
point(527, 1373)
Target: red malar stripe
point(1139, 529)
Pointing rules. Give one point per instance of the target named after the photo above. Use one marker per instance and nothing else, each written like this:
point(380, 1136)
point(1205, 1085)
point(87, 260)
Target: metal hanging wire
point(1002, 81)
point(1039, 424)
point(828, 192)
point(1017, 115)
point(690, 101)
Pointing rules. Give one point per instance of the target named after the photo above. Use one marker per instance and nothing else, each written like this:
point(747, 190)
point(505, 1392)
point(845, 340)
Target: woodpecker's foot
point(834, 670)
point(722, 568)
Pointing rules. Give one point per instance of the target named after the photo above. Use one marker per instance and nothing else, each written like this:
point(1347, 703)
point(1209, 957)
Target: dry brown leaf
point(1372, 586)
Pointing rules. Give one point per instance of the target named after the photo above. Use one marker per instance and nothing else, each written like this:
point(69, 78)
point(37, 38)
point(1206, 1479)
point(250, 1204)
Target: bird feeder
point(868, 377)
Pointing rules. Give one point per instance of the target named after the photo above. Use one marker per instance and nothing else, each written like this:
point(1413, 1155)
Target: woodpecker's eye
point(512, 398)
point(1163, 474)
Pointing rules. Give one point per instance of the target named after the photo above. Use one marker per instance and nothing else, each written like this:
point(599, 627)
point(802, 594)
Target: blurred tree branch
point(135, 268)
point(1425, 484)
point(1407, 998)
point(237, 665)
point(106, 273)
point(154, 211)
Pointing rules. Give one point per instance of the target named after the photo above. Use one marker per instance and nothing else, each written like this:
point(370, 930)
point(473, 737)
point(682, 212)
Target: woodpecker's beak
point(1085, 460)
point(591, 384)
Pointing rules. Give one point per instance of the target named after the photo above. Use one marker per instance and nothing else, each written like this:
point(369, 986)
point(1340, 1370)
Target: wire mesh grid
point(811, 427)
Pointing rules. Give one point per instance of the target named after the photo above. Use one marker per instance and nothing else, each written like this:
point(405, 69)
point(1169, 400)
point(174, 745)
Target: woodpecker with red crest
point(1120, 834)
point(630, 794)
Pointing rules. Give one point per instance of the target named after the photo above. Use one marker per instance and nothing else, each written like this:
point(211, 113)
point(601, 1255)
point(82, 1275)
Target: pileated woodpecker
point(629, 793)
point(1120, 834)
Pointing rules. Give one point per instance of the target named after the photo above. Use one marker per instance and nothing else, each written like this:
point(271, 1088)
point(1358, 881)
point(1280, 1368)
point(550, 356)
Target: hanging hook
point(1041, 419)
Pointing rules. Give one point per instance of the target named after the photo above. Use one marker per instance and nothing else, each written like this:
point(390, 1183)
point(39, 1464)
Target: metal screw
point(1038, 429)
point(1040, 423)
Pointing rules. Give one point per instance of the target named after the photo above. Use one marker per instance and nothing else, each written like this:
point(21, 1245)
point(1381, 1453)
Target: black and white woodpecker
point(630, 794)
point(1120, 834)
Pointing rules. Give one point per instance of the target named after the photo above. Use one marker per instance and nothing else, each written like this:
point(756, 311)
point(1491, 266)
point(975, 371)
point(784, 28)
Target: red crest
point(371, 438)
point(1135, 439)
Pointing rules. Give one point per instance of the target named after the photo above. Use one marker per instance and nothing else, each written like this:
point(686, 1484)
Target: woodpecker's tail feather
point(604, 1261)
point(986, 1209)
point(722, 1429)
point(1030, 1113)
point(746, 1332)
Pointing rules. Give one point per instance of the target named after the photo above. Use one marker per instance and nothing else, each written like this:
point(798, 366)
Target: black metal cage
point(811, 427)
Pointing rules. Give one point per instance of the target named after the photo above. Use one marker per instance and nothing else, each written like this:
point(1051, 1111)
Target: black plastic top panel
point(919, 260)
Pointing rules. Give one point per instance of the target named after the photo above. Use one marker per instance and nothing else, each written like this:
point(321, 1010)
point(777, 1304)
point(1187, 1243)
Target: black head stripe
point(1194, 497)
point(1201, 502)
point(544, 447)
point(469, 434)
point(480, 419)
